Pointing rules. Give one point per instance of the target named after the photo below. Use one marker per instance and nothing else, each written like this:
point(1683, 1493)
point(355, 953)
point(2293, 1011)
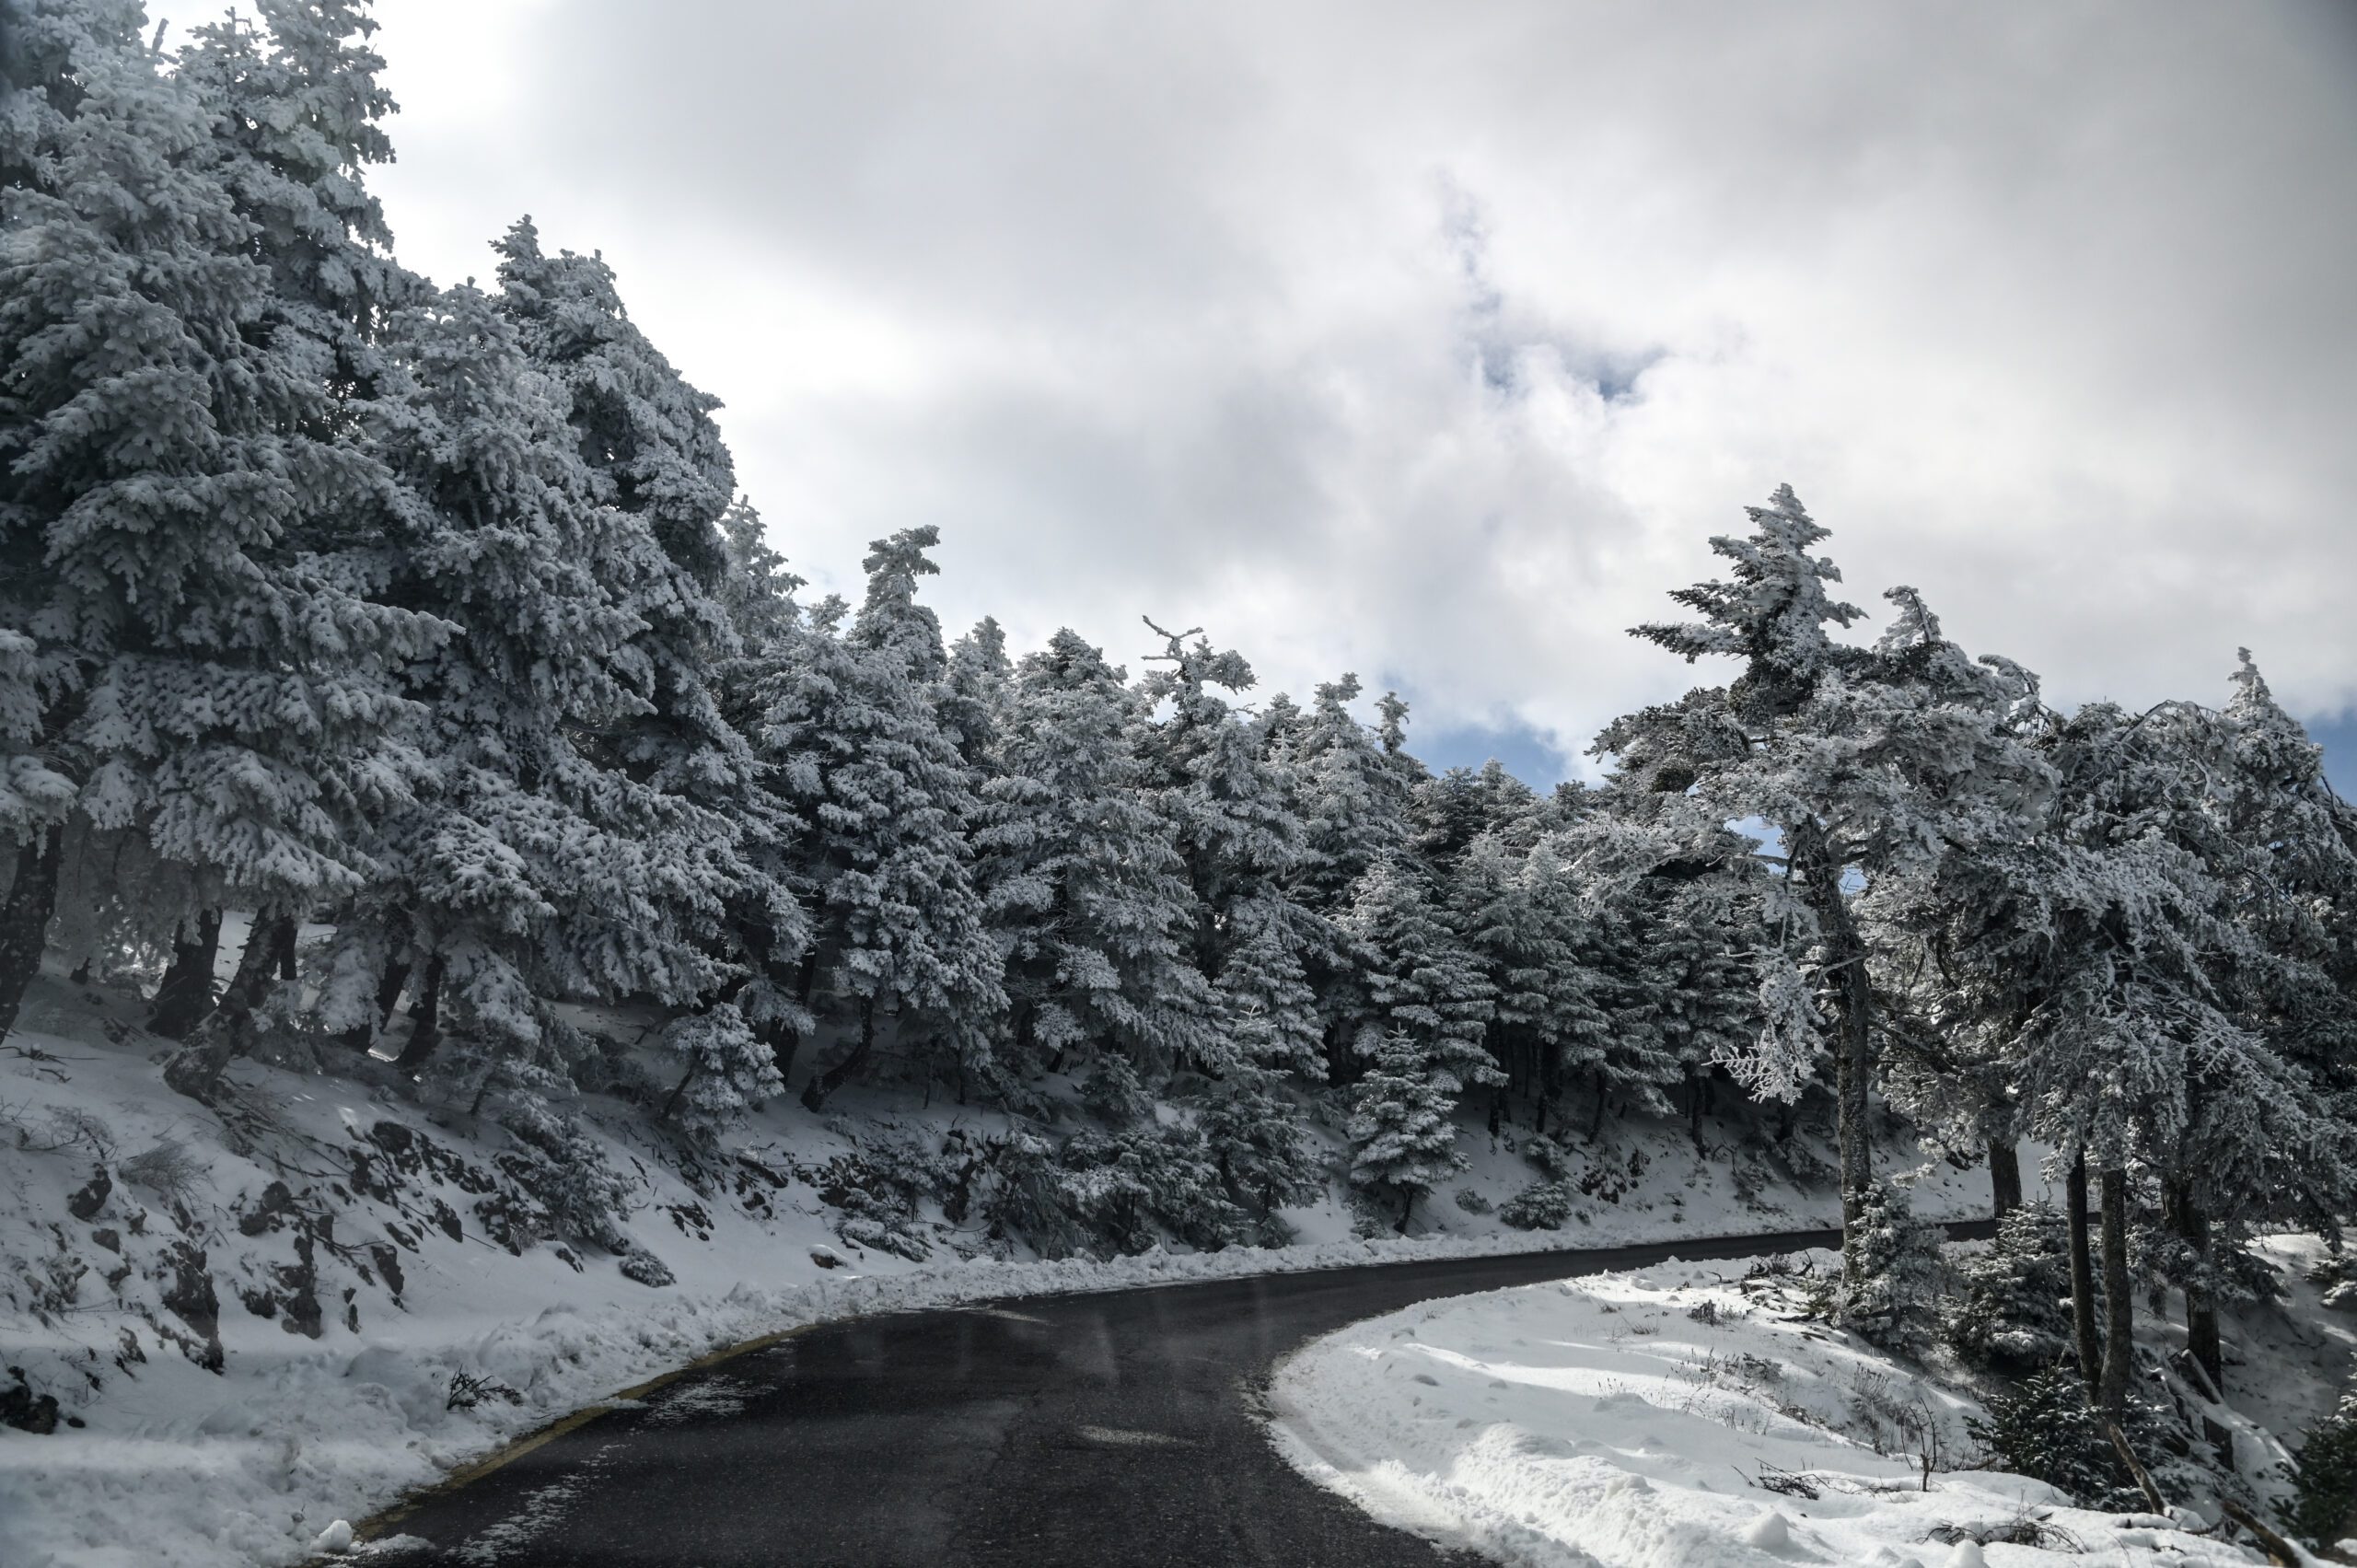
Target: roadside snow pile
point(1665, 1417)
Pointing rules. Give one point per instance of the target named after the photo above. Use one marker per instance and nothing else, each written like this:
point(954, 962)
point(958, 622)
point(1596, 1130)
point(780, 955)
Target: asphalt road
point(1103, 1430)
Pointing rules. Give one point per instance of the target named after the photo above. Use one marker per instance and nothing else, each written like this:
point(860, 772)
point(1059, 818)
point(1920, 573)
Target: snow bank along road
point(1100, 1429)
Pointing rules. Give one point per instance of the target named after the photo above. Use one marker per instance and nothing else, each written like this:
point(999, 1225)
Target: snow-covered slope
point(1675, 1417)
point(256, 1313)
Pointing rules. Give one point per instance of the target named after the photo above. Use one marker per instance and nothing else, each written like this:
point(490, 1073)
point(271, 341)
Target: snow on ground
point(258, 1320)
point(1629, 1419)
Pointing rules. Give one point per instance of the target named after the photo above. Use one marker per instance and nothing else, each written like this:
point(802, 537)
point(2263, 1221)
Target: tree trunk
point(2083, 1276)
point(1695, 1083)
point(2006, 1175)
point(2119, 1325)
point(24, 919)
point(227, 1031)
point(2201, 1335)
point(822, 1085)
point(1595, 1117)
point(286, 950)
point(1845, 954)
point(425, 1031)
point(1853, 1076)
point(185, 995)
point(389, 989)
point(1407, 1207)
point(784, 1043)
point(678, 1090)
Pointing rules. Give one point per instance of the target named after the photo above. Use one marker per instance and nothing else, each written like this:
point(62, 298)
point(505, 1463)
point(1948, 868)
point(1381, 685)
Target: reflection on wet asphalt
point(1100, 1429)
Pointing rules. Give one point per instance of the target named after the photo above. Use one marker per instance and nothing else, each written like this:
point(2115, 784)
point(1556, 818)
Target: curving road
point(1099, 1430)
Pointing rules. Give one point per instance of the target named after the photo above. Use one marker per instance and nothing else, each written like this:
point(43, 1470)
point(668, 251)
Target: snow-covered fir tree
point(1863, 767)
point(652, 451)
point(1524, 923)
point(1085, 889)
point(535, 863)
point(853, 722)
point(1350, 795)
point(1418, 985)
point(200, 655)
point(772, 934)
point(1401, 1130)
point(975, 695)
point(1236, 828)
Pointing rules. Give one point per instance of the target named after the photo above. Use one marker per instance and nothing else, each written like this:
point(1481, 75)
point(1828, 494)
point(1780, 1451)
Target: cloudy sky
point(1433, 341)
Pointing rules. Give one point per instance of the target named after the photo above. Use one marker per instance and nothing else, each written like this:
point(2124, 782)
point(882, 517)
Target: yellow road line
point(380, 1523)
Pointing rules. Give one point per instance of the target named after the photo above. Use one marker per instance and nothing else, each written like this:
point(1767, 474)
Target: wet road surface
point(1105, 1431)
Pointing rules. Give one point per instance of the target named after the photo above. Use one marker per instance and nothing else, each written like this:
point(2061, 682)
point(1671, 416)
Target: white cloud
point(1291, 320)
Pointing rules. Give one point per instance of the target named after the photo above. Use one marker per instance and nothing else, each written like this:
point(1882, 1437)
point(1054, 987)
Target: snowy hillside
point(258, 1313)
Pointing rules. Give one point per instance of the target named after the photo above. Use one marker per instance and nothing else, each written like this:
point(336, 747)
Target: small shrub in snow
point(871, 1220)
point(66, 1127)
point(2324, 1478)
point(2013, 1313)
point(1900, 1268)
point(1542, 1205)
point(646, 1269)
point(2337, 1273)
point(469, 1389)
point(25, 1411)
point(1137, 1186)
point(2046, 1431)
point(1471, 1200)
point(1548, 1156)
point(877, 1189)
point(169, 1171)
point(560, 1172)
point(1022, 1196)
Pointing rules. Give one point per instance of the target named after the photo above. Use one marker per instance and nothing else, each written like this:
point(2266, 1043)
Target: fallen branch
point(1792, 1483)
point(2278, 1549)
point(2135, 1467)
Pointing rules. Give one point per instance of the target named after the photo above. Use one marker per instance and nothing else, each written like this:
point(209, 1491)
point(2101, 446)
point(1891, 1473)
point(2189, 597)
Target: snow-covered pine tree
point(199, 629)
point(1391, 730)
point(1279, 725)
point(1257, 1133)
point(1864, 769)
point(2283, 857)
point(853, 725)
point(1350, 795)
point(2079, 980)
point(975, 695)
point(756, 592)
point(645, 436)
point(535, 863)
point(649, 444)
point(297, 114)
point(1448, 811)
point(2291, 879)
point(1085, 889)
point(298, 119)
point(1695, 939)
point(1205, 768)
point(1524, 921)
point(1418, 982)
point(1402, 1131)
